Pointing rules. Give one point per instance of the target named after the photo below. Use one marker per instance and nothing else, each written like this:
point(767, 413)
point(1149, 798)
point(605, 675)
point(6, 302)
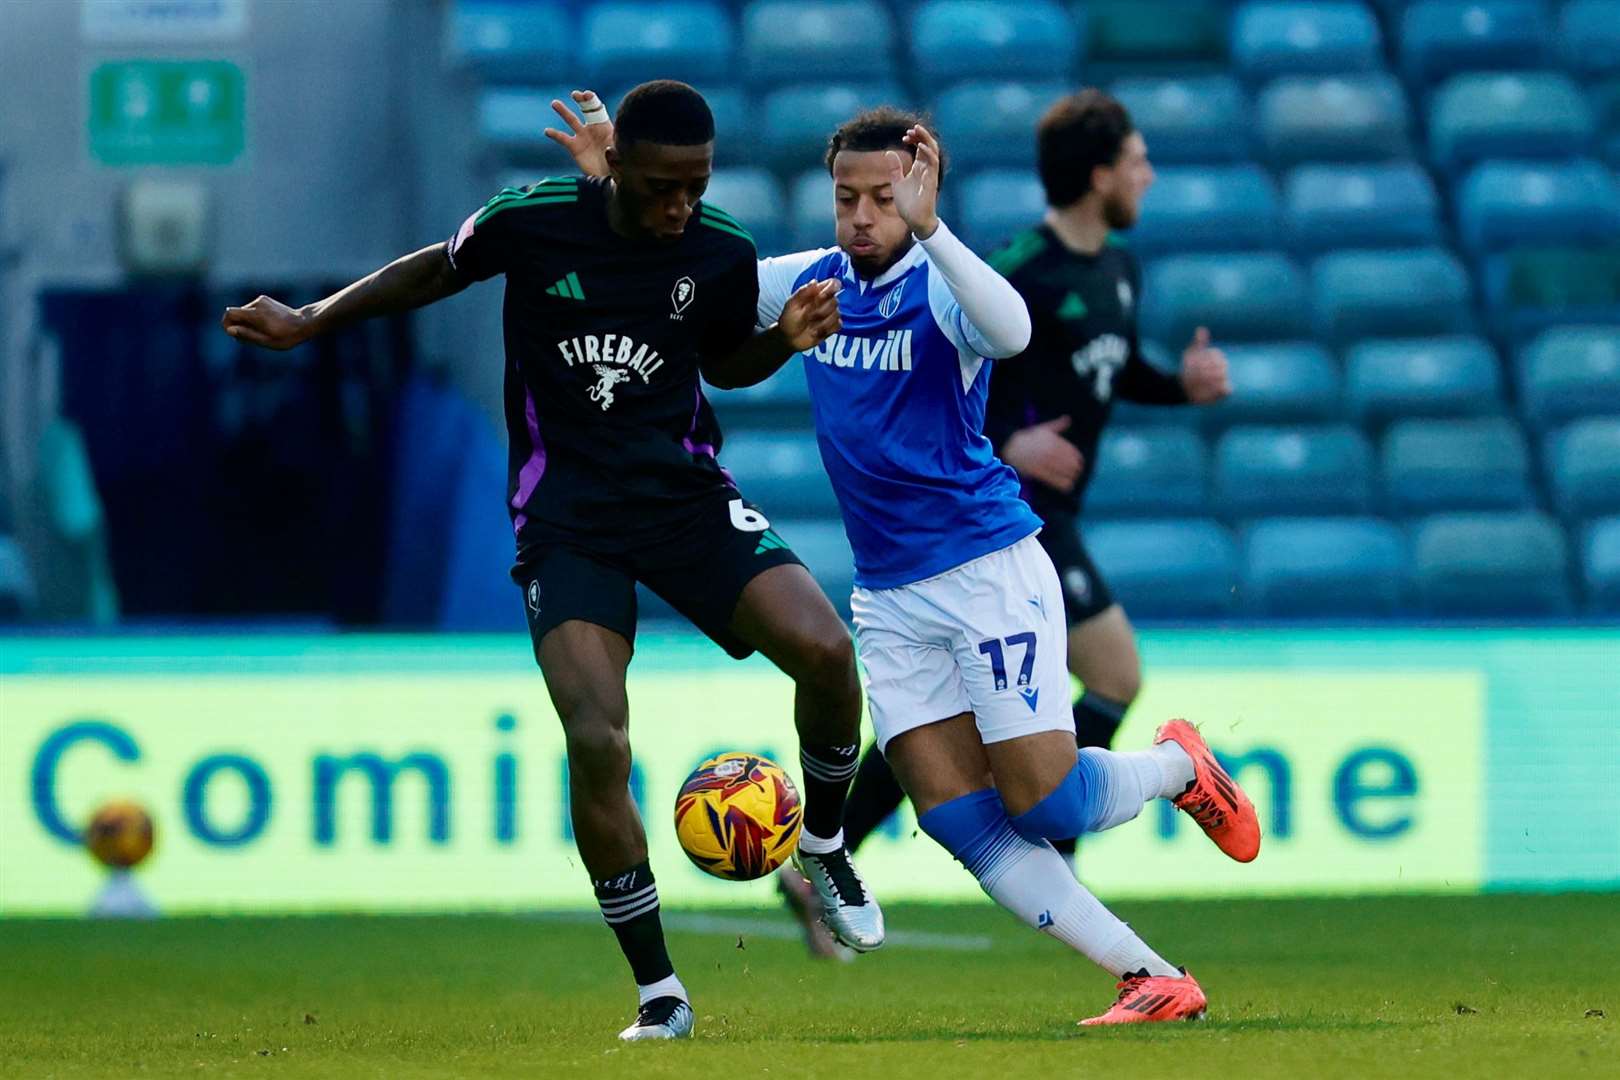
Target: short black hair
point(1078, 134)
point(882, 128)
point(666, 112)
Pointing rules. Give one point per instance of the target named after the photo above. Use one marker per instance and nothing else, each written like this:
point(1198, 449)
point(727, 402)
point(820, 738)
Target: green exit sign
point(166, 112)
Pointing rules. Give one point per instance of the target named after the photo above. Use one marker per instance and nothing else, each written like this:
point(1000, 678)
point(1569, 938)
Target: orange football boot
point(1214, 800)
point(1147, 999)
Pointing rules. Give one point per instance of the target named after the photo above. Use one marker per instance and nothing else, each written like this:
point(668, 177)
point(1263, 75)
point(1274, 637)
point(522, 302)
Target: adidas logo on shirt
point(568, 288)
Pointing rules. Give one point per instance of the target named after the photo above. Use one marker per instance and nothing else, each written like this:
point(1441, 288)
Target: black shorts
point(1085, 593)
point(699, 566)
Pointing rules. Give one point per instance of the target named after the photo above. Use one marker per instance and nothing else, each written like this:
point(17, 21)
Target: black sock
point(629, 903)
point(827, 773)
point(1096, 718)
point(872, 798)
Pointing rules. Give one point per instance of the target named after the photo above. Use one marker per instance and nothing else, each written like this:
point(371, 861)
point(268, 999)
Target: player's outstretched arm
point(808, 318)
point(408, 282)
point(997, 321)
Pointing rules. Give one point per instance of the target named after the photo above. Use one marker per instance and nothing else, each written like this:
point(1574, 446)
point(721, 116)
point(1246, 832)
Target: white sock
point(666, 987)
point(1128, 781)
point(811, 844)
point(1034, 883)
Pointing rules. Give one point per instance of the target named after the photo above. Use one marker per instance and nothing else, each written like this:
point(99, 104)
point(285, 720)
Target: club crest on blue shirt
point(891, 303)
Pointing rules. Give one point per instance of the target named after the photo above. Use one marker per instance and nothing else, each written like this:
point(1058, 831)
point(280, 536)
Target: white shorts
point(988, 638)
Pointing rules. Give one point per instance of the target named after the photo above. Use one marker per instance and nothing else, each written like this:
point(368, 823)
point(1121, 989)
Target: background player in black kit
point(1048, 406)
point(619, 292)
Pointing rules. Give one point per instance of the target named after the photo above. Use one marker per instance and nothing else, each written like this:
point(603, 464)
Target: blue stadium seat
point(1442, 37)
point(1293, 470)
point(690, 40)
point(1606, 111)
point(1583, 465)
point(1503, 203)
point(781, 401)
point(1167, 569)
point(1296, 37)
point(997, 203)
point(1433, 377)
point(17, 591)
point(797, 120)
point(1208, 208)
point(1528, 290)
point(1367, 205)
point(1601, 566)
point(510, 40)
point(984, 39)
point(512, 122)
point(1434, 465)
point(1145, 472)
point(811, 210)
point(1570, 372)
point(735, 129)
point(984, 124)
point(789, 41)
point(1189, 120)
point(1336, 118)
point(780, 470)
point(1285, 382)
point(477, 593)
point(1164, 34)
point(1589, 33)
point(1532, 115)
point(1241, 297)
point(1312, 567)
point(1501, 564)
point(1360, 294)
point(824, 548)
point(753, 197)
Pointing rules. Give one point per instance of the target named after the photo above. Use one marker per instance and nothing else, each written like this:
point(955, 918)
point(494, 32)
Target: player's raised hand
point(589, 132)
point(1042, 454)
point(916, 190)
point(811, 315)
point(268, 323)
point(1204, 372)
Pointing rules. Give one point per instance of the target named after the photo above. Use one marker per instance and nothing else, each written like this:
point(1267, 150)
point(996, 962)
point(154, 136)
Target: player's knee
point(1119, 686)
point(599, 744)
point(1064, 813)
point(827, 663)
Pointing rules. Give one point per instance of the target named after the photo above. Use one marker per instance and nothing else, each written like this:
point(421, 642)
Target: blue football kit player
point(959, 615)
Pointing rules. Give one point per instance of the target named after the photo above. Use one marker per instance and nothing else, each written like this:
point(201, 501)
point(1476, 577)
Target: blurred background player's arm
point(1203, 379)
point(408, 282)
point(1037, 451)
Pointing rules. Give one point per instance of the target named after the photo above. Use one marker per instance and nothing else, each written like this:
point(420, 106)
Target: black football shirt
point(1084, 351)
point(610, 433)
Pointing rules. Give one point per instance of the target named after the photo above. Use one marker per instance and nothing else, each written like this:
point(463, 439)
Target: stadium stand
point(1169, 36)
point(821, 545)
point(1208, 208)
point(1589, 37)
point(1150, 472)
point(1529, 290)
point(1600, 566)
point(1570, 372)
point(1361, 294)
point(1505, 203)
point(1389, 204)
point(1336, 118)
point(1297, 37)
point(997, 204)
point(795, 120)
point(1409, 377)
point(507, 41)
point(954, 40)
point(1440, 38)
point(1257, 296)
point(1180, 568)
point(781, 470)
point(787, 41)
point(1583, 467)
point(1289, 381)
point(1325, 567)
point(1510, 115)
point(988, 123)
point(1306, 470)
point(1189, 120)
point(753, 195)
point(1473, 464)
point(688, 40)
point(1483, 565)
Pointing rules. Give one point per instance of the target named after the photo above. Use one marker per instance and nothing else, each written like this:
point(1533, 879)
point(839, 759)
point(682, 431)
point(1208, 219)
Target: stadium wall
point(384, 774)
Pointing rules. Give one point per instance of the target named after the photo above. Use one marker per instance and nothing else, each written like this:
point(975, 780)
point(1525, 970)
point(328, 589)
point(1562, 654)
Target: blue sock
point(974, 828)
point(1072, 808)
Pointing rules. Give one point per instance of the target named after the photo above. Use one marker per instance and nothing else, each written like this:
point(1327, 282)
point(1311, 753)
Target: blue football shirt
point(898, 397)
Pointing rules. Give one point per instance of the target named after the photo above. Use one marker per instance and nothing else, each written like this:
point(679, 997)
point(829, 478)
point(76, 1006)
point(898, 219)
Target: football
point(119, 834)
point(737, 816)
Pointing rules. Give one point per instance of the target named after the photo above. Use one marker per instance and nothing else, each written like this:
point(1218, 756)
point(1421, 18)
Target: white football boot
point(661, 1018)
point(849, 910)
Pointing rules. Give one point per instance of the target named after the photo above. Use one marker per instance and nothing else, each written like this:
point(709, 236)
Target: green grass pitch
point(1427, 986)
